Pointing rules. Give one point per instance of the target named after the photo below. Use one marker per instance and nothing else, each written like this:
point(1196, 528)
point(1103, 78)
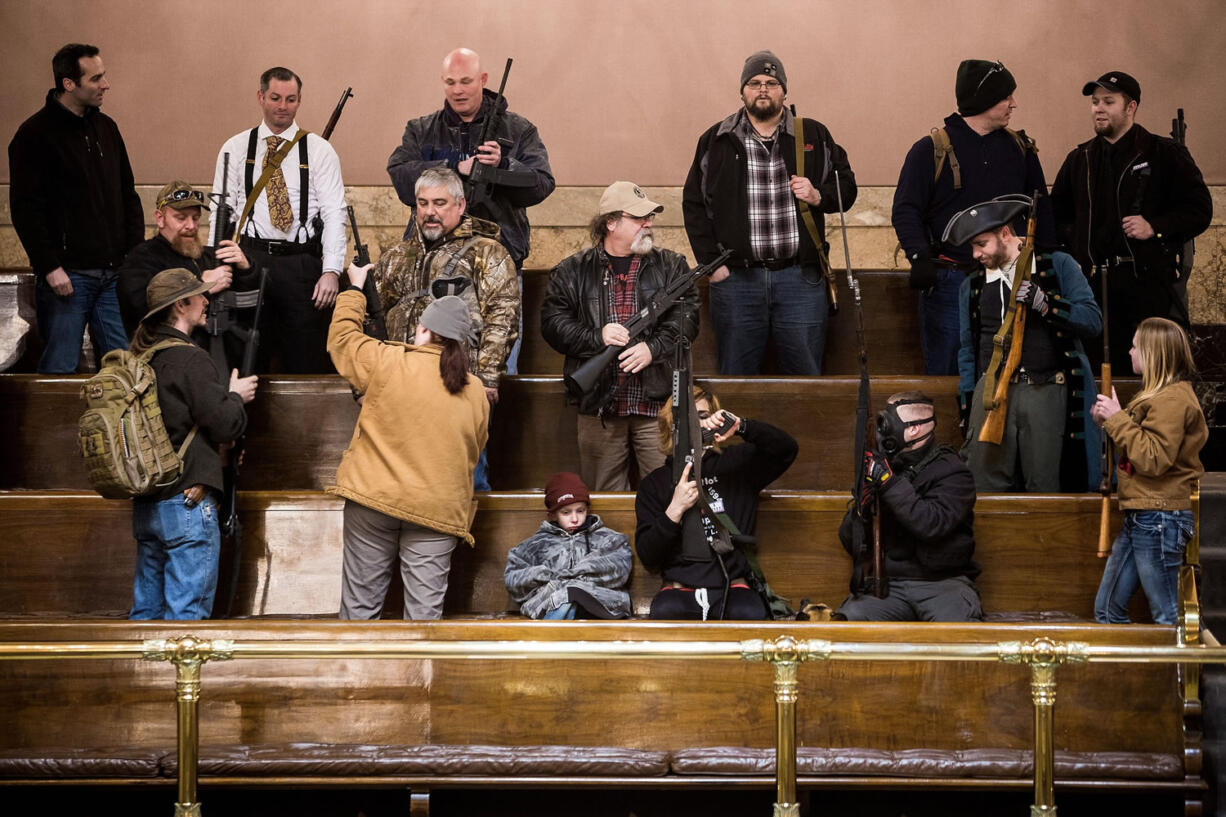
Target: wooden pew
point(73, 554)
point(891, 320)
point(602, 723)
point(299, 426)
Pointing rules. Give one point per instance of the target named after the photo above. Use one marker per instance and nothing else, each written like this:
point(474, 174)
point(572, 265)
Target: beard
point(432, 230)
point(763, 108)
point(188, 246)
point(642, 243)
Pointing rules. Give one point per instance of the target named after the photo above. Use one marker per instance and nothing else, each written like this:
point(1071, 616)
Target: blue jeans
point(1148, 552)
point(755, 304)
point(62, 320)
point(177, 549)
point(566, 611)
point(481, 476)
point(938, 324)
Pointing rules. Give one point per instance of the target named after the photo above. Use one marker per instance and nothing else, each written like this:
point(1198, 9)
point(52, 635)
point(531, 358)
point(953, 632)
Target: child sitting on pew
point(573, 566)
point(1159, 436)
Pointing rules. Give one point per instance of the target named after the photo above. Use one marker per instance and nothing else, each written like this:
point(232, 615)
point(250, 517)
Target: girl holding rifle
point(1159, 436)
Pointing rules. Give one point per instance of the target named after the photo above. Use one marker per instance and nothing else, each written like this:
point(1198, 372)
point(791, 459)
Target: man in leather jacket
point(591, 295)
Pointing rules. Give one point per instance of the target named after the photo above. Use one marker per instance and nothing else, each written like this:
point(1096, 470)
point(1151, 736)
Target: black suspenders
point(303, 174)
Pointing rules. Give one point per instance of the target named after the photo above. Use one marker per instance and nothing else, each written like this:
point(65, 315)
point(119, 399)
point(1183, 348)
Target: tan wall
point(617, 89)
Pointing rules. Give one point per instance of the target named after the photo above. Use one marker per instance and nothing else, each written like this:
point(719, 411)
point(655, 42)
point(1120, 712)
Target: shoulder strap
point(249, 171)
point(806, 214)
point(147, 356)
point(942, 150)
point(1024, 143)
point(273, 163)
point(304, 180)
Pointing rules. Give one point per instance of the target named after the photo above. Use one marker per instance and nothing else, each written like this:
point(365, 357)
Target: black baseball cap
point(1116, 81)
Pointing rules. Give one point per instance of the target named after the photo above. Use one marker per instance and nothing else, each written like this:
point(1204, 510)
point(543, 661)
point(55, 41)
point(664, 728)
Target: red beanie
point(564, 488)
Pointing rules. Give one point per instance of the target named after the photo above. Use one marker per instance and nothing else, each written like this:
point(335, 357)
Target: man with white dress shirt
point(295, 227)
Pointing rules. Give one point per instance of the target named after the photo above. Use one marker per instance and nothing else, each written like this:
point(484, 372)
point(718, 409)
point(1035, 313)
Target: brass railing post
point(785, 654)
point(188, 654)
point(1043, 655)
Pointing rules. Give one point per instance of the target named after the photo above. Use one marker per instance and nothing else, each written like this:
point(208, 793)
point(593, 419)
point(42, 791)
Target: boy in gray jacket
point(573, 566)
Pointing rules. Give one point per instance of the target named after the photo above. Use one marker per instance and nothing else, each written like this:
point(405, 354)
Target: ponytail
point(452, 364)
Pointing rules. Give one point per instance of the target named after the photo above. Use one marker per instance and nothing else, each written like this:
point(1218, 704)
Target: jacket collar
point(1143, 139)
point(58, 109)
point(488, 100)
point(739, 120)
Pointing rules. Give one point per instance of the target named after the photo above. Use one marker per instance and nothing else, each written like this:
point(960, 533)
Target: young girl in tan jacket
point(1158, 436)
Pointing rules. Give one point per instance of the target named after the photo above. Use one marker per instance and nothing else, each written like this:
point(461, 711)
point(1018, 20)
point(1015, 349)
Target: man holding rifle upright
point(1126, 202)
point(290, 200)
point(1047, 444)
point(591, 296)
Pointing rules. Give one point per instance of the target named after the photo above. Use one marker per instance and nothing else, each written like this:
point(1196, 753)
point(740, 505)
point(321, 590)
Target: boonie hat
point(628, 198)
point(179, 195)
point(172, 285)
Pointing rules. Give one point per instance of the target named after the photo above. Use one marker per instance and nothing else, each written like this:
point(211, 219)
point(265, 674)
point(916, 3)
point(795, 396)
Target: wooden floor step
point(73, 553)
point(298, 426)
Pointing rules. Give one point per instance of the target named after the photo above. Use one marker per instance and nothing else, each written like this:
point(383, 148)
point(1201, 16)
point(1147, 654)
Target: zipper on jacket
point(1119, 183)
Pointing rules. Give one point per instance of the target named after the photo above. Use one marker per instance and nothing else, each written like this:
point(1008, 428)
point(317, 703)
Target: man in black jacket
point(925, 496)
point(1125, 202)
point(590, 297)
point(746, 193)
point(699, 582)
point(178, 539)
point(75, 209)
point(177, 244)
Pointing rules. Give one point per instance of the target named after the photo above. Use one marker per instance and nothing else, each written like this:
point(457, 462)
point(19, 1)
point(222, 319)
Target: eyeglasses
point(999, 66)
point(181, 195)
point(758, 85)
point(640, 219)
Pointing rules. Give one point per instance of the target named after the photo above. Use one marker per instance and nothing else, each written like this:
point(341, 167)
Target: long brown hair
point(665, 418)
point(452, 364)
point(1166, 356)
point(146, 334)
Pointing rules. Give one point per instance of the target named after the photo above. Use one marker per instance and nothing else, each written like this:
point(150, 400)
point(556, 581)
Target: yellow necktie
point(279, 210)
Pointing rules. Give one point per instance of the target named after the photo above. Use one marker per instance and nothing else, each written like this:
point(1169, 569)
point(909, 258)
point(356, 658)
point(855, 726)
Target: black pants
point(744, 604)
point(293, 333)
point(1134, 295)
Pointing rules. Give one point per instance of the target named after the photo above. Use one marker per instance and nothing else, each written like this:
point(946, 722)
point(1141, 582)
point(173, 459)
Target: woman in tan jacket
point(1159, 437)
point(407, 475)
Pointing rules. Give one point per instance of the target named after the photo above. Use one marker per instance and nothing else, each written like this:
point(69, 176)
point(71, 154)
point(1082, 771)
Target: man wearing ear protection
point(925, 496)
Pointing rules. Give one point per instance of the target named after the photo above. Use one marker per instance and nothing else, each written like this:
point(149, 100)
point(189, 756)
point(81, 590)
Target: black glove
point(876, 474)
point(1031, 295)
point(923, 271)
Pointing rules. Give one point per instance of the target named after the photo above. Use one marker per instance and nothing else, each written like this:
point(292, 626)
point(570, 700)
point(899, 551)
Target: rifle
point(346, 95)
point(996, 405)
point(584, 379)
point(478, 187)
point(223, 213)
point(230, 525)
point(876, 581)
point(1179, 132)
point(1106, 463)
point(375, 325)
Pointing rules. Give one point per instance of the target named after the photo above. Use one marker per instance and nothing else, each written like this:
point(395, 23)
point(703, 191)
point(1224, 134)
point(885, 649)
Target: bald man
point(449, 138)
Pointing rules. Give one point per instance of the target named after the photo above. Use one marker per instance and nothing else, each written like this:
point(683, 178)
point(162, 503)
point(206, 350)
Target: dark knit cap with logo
point(764, 62)
point(981, 84)
point(564, 488)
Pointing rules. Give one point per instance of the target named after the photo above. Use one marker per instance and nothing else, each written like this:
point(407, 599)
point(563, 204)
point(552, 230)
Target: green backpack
point(123, 438)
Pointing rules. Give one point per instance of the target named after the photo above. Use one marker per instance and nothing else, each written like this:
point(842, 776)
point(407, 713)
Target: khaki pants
point(1028, 457)
point(604, 450)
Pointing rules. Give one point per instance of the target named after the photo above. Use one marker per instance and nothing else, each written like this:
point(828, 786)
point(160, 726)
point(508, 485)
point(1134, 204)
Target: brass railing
point(785, 654)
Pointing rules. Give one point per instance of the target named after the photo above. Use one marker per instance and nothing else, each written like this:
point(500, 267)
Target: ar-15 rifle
point(375, 325)
point(1179, 132)
point(231, 527)
point(223, 213)
point(478, 187)
point(584, 379)
point(996, 405)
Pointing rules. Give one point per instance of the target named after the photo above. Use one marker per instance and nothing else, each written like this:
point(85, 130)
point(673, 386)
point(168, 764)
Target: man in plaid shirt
point(591, 296)
point(746, 193)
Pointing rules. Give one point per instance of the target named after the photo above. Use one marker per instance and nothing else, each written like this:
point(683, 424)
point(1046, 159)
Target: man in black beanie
point(747, 192)
point(974, 157)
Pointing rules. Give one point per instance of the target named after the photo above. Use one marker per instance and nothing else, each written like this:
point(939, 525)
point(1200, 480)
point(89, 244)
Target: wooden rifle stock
point(880, 588)
point(993, 429)
point(1104, 518)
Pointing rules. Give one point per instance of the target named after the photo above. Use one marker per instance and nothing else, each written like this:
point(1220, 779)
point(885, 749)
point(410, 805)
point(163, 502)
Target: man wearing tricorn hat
point(177, 243)
point(760, 186)
point(1048, 444)
point(591, 295)
point(1125, 202)
point(178, 540)
point(974, 157)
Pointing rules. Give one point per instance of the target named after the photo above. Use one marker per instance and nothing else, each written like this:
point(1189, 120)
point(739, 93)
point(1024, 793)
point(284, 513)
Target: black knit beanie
point(982, 84)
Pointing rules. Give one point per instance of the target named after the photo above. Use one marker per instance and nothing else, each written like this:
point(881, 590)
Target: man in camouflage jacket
point(451, 253)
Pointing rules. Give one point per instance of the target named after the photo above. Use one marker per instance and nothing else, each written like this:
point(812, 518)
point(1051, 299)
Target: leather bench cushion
point(66, 762)
point(359, 760)
point(1000, 763)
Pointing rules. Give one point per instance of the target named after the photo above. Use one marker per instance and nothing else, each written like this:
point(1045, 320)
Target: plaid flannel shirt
point(623, 304)
point(773, 231)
